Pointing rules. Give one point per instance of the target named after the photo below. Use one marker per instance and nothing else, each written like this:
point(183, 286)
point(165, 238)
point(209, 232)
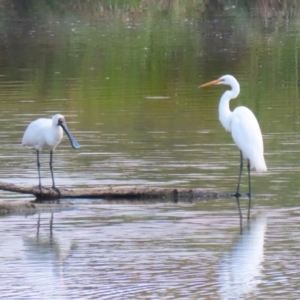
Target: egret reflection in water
point(240, 269)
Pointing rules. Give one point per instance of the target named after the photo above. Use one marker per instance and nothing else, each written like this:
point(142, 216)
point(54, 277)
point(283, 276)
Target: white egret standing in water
point(244, 129)
point(47, 133)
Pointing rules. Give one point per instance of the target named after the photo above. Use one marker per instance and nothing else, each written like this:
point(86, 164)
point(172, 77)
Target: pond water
point(126, 78)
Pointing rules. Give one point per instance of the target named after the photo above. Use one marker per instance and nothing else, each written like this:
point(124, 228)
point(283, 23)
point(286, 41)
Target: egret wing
point(247, 136)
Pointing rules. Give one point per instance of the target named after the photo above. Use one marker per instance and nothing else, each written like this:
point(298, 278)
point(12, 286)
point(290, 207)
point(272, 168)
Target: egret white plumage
point(47, 133)
point(245, 131)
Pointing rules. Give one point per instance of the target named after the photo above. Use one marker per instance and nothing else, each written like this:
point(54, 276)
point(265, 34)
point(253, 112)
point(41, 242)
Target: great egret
point(244, 129)
point(47, 133)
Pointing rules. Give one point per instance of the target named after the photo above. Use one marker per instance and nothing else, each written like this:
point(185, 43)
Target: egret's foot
point(236, 195)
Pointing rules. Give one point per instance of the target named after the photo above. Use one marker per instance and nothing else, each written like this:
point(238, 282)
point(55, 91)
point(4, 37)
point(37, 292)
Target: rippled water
point(126, 82)
point(157, 251)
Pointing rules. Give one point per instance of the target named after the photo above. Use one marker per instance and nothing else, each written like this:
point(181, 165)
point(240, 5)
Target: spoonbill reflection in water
point(47, 133)
point(245, 132)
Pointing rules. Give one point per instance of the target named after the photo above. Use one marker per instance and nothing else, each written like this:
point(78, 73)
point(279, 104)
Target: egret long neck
point(224, 108)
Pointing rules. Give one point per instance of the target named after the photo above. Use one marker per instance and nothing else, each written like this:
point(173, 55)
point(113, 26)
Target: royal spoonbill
point(47, 133)
point(245, 131)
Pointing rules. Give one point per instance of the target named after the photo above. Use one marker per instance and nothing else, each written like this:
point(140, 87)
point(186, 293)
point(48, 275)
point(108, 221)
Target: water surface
point(127, 82)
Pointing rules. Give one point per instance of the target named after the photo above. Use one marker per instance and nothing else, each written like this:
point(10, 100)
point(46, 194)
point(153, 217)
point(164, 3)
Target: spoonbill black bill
point(47, 133)
point(245, 131)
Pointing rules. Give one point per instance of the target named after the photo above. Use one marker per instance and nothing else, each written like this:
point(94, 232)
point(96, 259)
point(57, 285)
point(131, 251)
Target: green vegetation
point(109, 55)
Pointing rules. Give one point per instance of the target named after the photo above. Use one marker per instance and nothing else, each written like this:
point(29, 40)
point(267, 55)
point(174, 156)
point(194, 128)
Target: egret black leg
point(51, 169)
point(239, 207)
point(39, 170)
point(249, 194)
point(237, 194)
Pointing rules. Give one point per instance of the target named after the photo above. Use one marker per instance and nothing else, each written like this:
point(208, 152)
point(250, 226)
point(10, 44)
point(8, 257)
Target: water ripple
point(162, 251)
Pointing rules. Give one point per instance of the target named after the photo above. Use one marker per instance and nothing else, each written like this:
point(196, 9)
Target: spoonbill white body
point(244, 129)
point(47, 133)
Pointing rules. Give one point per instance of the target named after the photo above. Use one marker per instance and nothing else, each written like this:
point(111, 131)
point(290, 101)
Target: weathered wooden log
point(115, 192)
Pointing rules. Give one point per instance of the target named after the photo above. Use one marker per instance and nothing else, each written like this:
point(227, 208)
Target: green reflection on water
point(126, 77)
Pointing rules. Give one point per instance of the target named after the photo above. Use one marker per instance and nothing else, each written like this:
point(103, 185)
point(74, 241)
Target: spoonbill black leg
point(39, 170)
point(51, 169)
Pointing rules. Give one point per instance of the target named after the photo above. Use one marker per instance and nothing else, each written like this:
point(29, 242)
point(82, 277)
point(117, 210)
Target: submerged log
point(31, 207)
point(115, 192)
